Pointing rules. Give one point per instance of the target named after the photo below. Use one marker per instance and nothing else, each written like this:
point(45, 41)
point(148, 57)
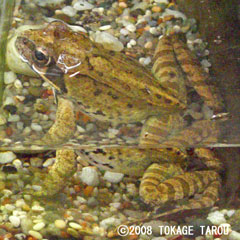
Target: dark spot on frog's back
point(99, 150)
point(158, 96)
point(99, 112)
point(130, 105)
point(97, 92)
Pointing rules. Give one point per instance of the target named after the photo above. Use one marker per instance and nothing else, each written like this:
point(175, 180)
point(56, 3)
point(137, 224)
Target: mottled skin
point(112, 87)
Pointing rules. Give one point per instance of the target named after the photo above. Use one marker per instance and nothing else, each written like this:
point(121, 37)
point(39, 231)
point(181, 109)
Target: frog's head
point(52, 51)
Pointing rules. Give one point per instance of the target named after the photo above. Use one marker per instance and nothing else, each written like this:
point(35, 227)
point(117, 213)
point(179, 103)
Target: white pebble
point(153, 31)
point(108, 41)
point(111, 221)
point(18, 84)
point(131, 27)
point(216, 218)
point(17, 163)
point(39, 226)
point(3, 119)
point(13, 118)
point(48, 3)
point(105, 27)
point(175, 13)
point(20, 202)
point(129, 45)
point(132, 42)
point(15, 221)
point(35, 234)
point(49, 162)
point(124, 32)
point(9, 77)
point(20, 125)
point(10, 207)
point(75, 225)
point(69, 11)
point(7, 157)
point(89, 176)
point(234, 235)
point(59, 223)
point(82, 5)
point(9, 101)
point(113, 177)
point(147, 60)
point(20, 236)
point(36, 127)
point(162, 1)
point(230, 212)
point(37, 208)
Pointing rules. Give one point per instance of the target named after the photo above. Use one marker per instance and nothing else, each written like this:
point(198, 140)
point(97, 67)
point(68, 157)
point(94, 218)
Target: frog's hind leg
point(159, 187)
point(195, 75)
point(166, 69)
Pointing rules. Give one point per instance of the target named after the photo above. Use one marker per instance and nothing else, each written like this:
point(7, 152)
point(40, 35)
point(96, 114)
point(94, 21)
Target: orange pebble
point(88, 190)
point(31, 238)
point(64, 234)
point(77, 188)
point(9, 131)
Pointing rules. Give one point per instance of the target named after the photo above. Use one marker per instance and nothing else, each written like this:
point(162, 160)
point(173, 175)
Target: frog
point(112, 87)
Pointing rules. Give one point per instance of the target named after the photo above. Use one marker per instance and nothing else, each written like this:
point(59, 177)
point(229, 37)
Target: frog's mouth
point(41, 62)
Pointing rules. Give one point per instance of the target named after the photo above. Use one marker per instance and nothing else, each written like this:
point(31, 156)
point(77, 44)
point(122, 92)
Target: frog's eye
point(41, 57)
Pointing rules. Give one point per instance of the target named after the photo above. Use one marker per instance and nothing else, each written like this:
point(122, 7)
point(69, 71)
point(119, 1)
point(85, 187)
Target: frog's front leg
point(65, 163)
point(63, 168)
point(64, 126)
point(160, 186)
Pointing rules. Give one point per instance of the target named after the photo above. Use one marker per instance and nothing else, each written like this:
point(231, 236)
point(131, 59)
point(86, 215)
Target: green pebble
point(35, 91)
point(73, 232)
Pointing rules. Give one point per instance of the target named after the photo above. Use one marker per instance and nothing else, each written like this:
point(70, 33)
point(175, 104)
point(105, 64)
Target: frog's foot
point(156, 132)
point(167, 71)
point(64, 126)
point(63, 168)
point(176, 186)
point(196, 75)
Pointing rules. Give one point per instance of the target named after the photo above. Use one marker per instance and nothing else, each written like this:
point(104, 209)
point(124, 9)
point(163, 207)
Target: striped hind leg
point(195, 75)
point(166, 69)
point(159, 187)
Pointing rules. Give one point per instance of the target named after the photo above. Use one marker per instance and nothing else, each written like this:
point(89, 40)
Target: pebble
point(39, 226)
point(75, 225)
point(3, 119)
point(69, 11)
point(176, 14)
point(216, 218)
point(89, 176)
point(36, 162)
point(108, 41)
point(49, 162)
point(48, 3)
point(59, 223)
point(13, 118)
point(113, 177)
point(105, 27)
point(9, 77)
point(162, 1)
point(73, 232)
point(37, 208)
point(18, 84)
point(7, 157)
point(124, 32)
point(234, 235)
point(35, 234)
point(82, 5)
point(131, 27)
point(111, 221)
point(20, 236)
point(36, 127)
point(148, 45)
point(230, 212)
point(15, 221)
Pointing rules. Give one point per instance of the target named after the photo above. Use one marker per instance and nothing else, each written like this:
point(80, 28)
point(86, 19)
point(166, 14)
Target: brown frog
point(111, 87)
